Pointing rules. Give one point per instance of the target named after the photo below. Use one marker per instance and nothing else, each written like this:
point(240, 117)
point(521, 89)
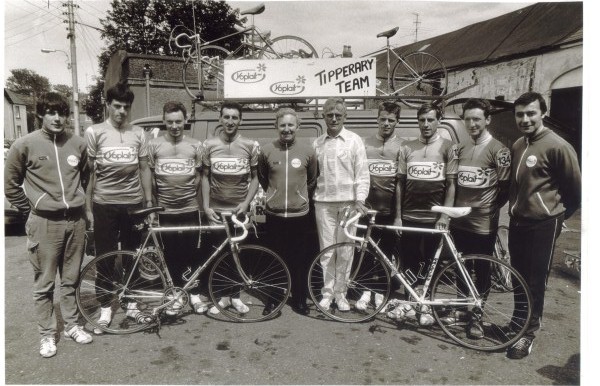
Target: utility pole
point(417, 22)
point(71, 36)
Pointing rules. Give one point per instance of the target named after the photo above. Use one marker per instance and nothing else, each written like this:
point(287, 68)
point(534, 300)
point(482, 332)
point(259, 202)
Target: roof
point(537, 28)
point(16, 99)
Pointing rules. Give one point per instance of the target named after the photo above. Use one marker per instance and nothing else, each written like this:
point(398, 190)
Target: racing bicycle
point(456, 296)
point(139, 288)
point(415, 75)
point(203, 66)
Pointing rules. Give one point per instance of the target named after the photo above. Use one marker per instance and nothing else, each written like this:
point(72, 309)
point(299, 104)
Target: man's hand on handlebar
point(360, 208)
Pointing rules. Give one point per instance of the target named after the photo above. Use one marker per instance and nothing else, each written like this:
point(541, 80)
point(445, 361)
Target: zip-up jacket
point(288, 174)
point(545, 178)
point(44, 172)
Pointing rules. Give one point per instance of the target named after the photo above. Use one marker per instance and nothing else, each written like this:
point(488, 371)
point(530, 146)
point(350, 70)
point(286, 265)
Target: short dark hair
point(231, 105)
point(389, 107)
point(427, 107)
point(172, 107)
point(475, 103)
point(119, 92)
point(530, 97)
point(52, 101)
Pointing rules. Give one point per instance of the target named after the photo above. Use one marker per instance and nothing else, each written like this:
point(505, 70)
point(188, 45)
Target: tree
point(144, 27)
point(27, 82)
point(93, 104)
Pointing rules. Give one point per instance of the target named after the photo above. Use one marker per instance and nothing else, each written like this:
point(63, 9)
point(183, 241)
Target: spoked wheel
point(118, 281)
point(419, 74)
point(502, 276)
point(502, 315)
point(265, 293)
point(367, 289)
point(203, 73)
point(288, 47)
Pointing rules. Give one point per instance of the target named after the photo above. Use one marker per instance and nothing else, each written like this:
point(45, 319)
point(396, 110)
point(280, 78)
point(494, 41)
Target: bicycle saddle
point(452, 211)
point(388, 33)
point(254, 11)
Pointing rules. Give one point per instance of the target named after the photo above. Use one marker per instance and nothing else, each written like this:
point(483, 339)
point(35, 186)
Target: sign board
point(297, 78)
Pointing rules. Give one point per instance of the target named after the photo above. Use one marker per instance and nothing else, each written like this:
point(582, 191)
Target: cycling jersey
point(481, 165)
point(116, 153)
point(175, 166)
point(382, 158)
point(230, 165)
point(426, 165)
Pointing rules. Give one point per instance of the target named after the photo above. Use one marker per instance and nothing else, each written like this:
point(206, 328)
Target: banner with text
point(297, 78)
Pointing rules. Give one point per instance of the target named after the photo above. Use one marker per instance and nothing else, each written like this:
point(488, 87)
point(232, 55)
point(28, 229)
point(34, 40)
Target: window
point(18, 131)
point(17, 112)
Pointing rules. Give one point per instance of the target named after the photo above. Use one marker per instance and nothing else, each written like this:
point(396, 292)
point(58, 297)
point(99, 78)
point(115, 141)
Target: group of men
point(64, 182)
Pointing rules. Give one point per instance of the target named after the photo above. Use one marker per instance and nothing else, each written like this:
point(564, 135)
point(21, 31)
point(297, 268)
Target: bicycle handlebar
point(352, 221)
point(188, 40)
point(242, 225)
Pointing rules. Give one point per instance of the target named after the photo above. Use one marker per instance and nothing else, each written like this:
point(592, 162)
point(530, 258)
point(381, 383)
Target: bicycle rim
point(502, 276)
point(269, 285)
point(203, 74)
point(288, 47)
point(369, 280)
point(419, 74)
point(115, 280)
point(503, 315)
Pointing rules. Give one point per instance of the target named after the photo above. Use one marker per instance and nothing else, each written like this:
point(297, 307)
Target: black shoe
point(520, 349)
point(300, 308)
point(269, 307)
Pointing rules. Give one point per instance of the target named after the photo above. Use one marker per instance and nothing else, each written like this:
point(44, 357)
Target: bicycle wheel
point(369, 280)
point(203, 74)
point(119, 281)
point(268, 286)
point(502, 276)
point(419, 74)
point(503, 313)
point(288, 47)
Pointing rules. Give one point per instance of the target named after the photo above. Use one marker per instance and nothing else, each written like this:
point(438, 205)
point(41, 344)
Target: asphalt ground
point(290, 349)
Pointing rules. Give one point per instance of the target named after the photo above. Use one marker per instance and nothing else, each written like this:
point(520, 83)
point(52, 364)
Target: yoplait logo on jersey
point(120, 155)
point(474, 177)
point(231, 166)
point(250, 75)
point(382, 168)
point(176, 167)
point(426, 171)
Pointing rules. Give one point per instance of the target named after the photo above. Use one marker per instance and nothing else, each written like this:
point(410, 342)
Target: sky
point(33, 25)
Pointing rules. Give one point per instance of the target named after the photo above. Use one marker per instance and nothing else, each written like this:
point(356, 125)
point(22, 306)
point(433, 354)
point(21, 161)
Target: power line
point(29, 37)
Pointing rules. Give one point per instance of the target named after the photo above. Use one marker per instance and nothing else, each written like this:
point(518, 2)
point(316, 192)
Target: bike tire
point(207, 82)
point(119, 282)
point(270, 283)
point(368, 274)
point(419, 74)
point(288, 47)
point(501, 253)
point(501, 324)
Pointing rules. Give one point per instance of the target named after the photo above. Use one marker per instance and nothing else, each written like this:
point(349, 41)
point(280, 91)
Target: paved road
point(291, 349)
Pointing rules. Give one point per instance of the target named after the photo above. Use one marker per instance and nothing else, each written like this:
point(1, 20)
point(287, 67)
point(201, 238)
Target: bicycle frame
point(389, 69)
point(152, 239)
point(420, 297)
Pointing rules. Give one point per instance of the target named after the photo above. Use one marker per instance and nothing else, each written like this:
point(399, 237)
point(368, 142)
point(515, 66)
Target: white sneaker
point(402, 311)
point(105, 319)
point(325, 303)
point(378, 300)
point(223, 302)
point(342, 303)
point(239, 305)
point(363, 302)
point(175, 308)
point(132, 310)
point(47, 347)
point(79, 335)
point(198, 305)
point(426, 318)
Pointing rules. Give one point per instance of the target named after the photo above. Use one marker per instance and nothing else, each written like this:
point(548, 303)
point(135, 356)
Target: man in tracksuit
point(44, 176)
point(287, 171)
point(545, 189)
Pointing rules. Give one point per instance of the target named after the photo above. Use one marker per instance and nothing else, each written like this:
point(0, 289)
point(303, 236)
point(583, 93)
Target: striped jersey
point(382, 157)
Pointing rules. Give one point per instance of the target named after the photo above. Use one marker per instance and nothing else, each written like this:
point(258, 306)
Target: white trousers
point(337, 263)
